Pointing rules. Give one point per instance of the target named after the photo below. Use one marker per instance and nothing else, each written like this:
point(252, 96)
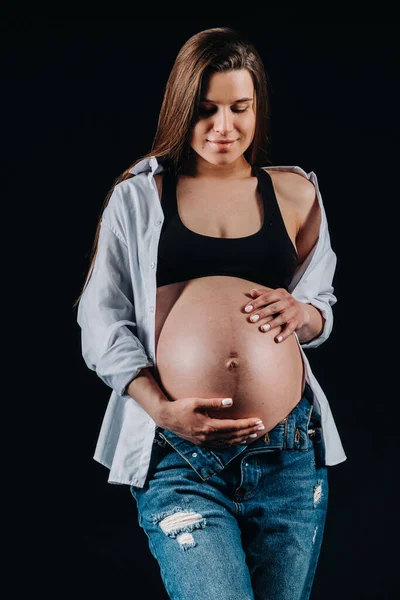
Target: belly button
point(232, 364)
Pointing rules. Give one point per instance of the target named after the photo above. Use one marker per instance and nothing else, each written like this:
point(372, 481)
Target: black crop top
point(267, 257)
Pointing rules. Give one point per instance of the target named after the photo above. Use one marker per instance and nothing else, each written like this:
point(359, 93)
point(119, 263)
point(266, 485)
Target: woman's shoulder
point(132, 190)
point(286, 172)
point(293, 184)
point(129, 200)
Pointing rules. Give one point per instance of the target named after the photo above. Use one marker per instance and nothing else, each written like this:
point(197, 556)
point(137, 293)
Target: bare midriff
point(207, 347)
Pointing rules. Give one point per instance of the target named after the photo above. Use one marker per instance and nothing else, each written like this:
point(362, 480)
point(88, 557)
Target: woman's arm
point(106, 314)
point(312, 281)
point(145, 391)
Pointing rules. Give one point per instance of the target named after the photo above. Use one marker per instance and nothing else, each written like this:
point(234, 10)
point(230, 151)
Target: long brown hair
point(210, 51)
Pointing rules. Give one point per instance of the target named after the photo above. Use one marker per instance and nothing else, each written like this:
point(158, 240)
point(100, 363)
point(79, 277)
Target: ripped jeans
point(238, 523)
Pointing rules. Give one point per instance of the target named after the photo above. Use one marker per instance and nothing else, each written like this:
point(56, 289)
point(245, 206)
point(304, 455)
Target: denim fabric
point(238, 523)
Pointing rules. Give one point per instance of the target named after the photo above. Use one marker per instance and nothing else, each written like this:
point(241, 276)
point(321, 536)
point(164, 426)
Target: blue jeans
point(237, 523)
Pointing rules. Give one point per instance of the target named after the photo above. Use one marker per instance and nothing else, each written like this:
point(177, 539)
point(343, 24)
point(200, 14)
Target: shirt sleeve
point(106, 315)
point(320, 295)
point(313, 283)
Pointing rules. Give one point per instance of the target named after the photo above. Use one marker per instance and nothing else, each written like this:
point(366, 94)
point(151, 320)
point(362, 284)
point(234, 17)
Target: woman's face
point(227, 112)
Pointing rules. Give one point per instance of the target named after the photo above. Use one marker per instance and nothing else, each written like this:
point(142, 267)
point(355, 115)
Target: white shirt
point(116, 314)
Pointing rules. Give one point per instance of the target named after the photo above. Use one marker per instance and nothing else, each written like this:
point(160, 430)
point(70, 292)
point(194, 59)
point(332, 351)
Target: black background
point(82, 101)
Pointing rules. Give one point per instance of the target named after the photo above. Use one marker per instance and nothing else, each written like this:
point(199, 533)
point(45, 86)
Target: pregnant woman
point(211, 273)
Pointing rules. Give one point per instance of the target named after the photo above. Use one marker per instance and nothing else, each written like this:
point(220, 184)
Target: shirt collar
point(147, 164)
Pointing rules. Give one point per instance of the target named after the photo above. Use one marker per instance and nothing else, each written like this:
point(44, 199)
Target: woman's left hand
point(277, 307)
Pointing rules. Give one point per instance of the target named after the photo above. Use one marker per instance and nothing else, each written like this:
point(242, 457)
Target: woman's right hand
point(188, 418)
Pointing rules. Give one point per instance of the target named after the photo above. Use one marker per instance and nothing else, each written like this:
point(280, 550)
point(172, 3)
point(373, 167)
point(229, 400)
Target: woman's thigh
point(192, 532)
point(252, 530)
point(284, 505)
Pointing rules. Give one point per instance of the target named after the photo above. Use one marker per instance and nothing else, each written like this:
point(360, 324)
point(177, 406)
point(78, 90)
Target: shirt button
point(153, 264)
point(158, 222)
point(151, 356)
point(194, 454)
point(151, 308)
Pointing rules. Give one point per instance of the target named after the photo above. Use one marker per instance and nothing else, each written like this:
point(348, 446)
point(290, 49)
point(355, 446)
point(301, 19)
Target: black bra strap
point(267, 192)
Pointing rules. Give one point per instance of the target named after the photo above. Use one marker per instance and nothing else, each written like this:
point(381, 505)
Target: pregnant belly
point(206, 347)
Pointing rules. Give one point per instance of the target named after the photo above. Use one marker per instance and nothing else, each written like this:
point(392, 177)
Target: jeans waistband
point(290, 434)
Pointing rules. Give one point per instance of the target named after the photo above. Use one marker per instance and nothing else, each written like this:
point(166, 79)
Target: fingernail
point(258, 422)
point(248, 308)
point(253, 435)
point(279, 338)
point(261, 427)
point(266, 327)
point(227, 401)
point(243, 442)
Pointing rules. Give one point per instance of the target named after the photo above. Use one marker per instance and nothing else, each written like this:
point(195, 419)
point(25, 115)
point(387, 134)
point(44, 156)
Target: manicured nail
point(266, 327)
point(279, 338)
point(248, 308)
point(227, 401)
point(253, 435)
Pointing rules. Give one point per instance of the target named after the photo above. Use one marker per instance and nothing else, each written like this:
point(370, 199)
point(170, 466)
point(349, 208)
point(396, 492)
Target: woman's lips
point(220, 145)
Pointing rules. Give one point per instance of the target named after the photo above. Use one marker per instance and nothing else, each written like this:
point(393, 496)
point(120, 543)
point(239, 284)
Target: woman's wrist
point(313, 326)
point(145, 391)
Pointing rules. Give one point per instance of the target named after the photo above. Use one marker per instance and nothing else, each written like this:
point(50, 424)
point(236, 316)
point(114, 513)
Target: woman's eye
point(208, 111)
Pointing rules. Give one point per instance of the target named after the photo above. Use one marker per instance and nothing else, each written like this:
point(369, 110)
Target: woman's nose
point(223, 122)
